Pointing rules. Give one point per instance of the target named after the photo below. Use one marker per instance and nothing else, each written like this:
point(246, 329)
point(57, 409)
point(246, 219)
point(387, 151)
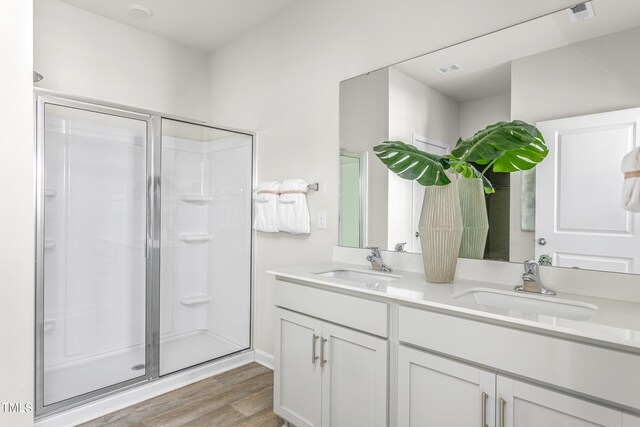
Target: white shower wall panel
point(183, 266)
point(230, 222)
point(94, 231)
point(106, 238)
point(55, 269)
point(206, 240)
point(94, 227)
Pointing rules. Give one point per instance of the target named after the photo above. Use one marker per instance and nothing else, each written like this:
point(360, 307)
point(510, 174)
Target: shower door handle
point(147, 246)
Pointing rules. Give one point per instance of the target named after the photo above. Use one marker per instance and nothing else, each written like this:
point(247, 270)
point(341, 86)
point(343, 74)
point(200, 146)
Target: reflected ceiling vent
point(448, 69)
point(139, 11)
point(581, 12)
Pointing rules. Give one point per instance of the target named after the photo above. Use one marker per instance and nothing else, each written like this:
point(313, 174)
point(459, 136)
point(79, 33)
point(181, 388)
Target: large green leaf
point(410, 163)
point(494, 141)
point(524, 158)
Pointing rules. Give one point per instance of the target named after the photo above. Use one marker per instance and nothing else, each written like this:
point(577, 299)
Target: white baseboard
point(264, 358)
point(137, 394)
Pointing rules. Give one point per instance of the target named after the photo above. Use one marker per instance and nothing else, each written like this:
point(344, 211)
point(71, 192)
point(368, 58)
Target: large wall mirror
point(573, 74)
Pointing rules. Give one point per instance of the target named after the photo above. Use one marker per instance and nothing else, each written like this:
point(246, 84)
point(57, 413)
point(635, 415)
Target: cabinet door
point(629, 420)
point(354, 378)
point(524, 405)
point(297, 374)
point(438, 392)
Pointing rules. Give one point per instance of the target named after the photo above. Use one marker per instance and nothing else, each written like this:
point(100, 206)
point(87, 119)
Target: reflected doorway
point(352, 220)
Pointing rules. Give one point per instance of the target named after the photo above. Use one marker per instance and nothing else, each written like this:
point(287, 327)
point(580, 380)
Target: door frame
point(363, 159)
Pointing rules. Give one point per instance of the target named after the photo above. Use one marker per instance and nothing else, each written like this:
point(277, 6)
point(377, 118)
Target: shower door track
point(153, 149)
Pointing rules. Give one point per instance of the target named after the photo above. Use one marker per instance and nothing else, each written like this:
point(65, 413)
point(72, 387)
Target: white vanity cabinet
point(436, 391)
point(297, 379)
point(346, 357)
point(524, 405)
point(327, 374)
point(439, 391)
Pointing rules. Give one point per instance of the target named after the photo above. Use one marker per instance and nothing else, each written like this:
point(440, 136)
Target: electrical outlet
point(322, 219)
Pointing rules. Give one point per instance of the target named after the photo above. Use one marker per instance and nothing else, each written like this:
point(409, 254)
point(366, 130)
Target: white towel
point(631, 186)
point(266, 203)
point(293, 212)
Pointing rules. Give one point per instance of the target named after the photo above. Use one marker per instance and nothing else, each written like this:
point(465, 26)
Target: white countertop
point(615, 323)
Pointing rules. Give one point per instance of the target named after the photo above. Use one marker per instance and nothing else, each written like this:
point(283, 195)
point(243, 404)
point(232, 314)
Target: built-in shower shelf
point(50, 193)
point(195, 237)
point(49, 243)
point(196, 199)
point(196, 299)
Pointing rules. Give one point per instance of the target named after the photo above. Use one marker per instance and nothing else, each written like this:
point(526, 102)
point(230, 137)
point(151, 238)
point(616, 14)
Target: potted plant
point(500, 147)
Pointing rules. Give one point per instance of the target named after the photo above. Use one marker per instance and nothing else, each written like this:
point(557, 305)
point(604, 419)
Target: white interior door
point(433, 147)
point(579, 219)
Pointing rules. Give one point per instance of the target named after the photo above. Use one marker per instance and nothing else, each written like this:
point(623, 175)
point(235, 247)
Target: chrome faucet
point(399, 247)
point(376, 260)
point(531, 280)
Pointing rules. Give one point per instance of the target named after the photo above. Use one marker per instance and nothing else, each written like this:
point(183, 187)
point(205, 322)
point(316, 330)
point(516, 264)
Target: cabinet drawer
point(357, 313)
point(604, 373)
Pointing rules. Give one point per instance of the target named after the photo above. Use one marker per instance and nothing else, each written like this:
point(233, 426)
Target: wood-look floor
point(240, 397)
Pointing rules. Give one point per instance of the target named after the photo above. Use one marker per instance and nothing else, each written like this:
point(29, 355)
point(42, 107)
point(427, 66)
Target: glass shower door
point(92, 252)
point(205, 267)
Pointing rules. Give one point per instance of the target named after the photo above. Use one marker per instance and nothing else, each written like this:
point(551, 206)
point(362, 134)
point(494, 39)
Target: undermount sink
point(359, 276)
point(527, 304)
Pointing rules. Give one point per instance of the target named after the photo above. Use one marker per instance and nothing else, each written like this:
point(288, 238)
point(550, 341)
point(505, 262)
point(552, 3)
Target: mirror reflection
point(576, 80)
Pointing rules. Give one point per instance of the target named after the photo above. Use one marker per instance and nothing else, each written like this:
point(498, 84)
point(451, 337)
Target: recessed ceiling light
point(448, 69)
point(581, 11)
point(139, 11)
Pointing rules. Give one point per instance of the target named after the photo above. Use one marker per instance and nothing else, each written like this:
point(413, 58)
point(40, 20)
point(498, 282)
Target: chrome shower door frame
point(152, 246)
point(153, 148)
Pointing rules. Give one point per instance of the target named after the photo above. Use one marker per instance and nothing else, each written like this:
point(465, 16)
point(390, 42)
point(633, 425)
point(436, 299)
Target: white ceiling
point(485, 61)
point(202, 24)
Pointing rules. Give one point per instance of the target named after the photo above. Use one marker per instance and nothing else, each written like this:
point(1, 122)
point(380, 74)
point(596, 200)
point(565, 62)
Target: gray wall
point(364, 123)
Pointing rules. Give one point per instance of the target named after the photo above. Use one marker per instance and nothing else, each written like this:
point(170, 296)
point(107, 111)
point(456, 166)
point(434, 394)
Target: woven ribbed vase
point(440, 230)
point(474, 218)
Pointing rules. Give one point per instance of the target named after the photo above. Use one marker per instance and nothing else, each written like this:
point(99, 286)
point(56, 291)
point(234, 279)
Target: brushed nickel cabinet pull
point(323, 361)
point(314, 338)
point(484, 397)
point(503, 403)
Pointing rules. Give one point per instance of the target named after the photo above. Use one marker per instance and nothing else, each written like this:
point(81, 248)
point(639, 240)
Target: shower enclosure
point(143, 248)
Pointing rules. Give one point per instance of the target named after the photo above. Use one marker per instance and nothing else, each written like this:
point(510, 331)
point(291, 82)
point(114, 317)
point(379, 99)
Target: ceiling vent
point(581, 12)
point(139, 11)
point(448, 69)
